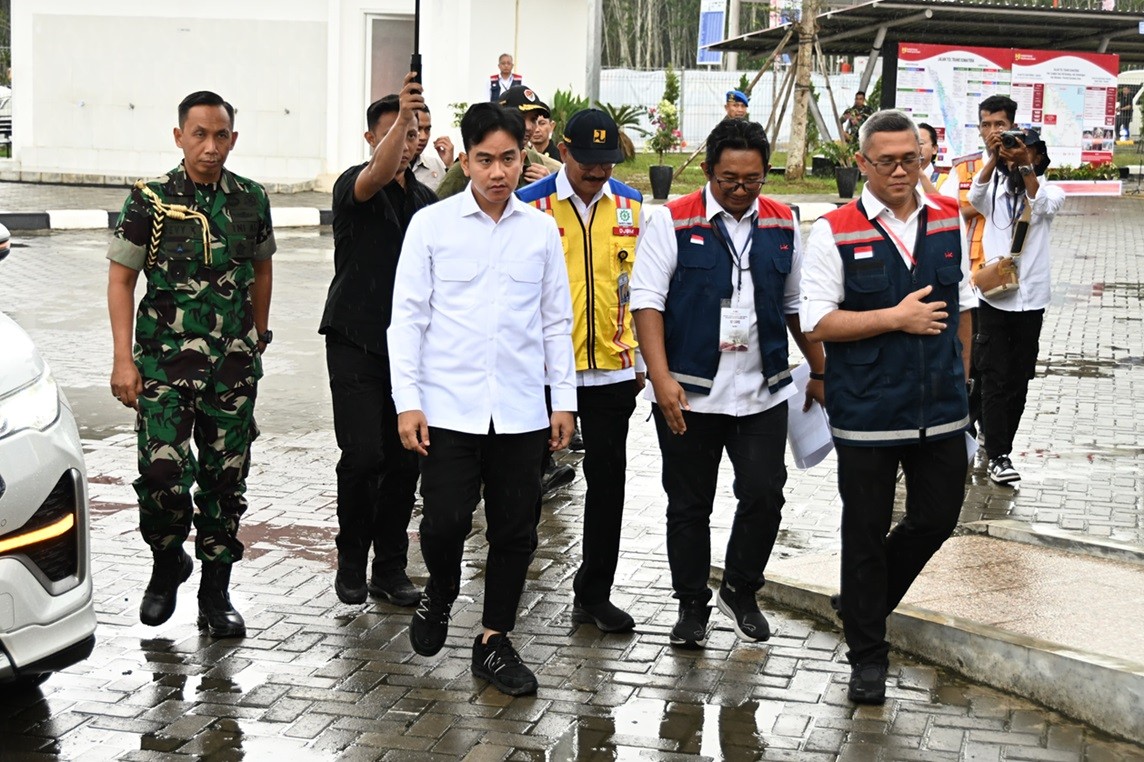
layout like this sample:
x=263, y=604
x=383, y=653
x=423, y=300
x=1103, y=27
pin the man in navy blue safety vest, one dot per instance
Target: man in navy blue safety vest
x=884, y=286
x=714, y=296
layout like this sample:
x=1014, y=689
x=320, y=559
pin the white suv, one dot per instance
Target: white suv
x=47, y=620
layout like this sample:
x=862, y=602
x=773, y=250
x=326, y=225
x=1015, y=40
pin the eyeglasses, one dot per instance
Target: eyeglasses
x=731, y=186
x=887, y=167
x=602, y=166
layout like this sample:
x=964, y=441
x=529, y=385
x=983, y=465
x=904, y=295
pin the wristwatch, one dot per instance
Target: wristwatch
x=266, y=337
x=1026, y=170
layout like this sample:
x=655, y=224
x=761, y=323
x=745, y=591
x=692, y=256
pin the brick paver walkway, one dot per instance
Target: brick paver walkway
x=317, y=678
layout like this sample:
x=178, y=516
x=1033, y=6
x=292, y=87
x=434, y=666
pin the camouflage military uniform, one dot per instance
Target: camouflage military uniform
x=196, y=350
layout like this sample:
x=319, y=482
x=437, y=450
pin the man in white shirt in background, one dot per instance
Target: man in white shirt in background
x=714, y=293
x=504, y=80
x=432, y=161
x=931, y=179
x=482, y=320
x=1009, y=324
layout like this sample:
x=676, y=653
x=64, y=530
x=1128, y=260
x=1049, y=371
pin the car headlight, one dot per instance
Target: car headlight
x=35, y=406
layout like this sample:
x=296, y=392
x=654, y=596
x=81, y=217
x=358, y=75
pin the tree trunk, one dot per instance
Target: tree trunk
x=796, y=151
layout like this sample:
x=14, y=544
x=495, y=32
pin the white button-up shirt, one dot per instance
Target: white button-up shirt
x=428, y=168
x=823, y=286
x=594, y=376
x=739, y=387
x=1033, y=267
x=482, y=318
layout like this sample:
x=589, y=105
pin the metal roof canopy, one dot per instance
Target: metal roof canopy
x=853, y=30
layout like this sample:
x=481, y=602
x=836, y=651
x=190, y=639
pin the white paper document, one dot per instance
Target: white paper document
x=809, y=432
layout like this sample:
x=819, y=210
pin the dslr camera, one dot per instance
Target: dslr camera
x=1014, y=138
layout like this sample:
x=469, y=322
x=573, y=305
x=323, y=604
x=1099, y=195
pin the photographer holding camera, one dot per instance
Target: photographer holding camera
x=1018, y=209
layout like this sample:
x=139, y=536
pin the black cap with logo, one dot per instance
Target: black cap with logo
x=592, y=137
x=524, y=100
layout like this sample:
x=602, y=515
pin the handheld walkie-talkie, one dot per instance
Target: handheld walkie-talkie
x=415, y=59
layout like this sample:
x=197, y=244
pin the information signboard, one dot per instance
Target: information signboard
x=1070, y=97
x=712, y=22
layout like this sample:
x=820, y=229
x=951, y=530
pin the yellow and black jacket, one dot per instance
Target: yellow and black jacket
x=599, y=256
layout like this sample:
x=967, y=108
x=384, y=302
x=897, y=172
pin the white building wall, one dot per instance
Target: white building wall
x=100, y=83
x=97, y=83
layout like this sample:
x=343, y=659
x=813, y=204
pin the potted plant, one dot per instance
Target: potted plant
x=841, y=154
x=665, y=136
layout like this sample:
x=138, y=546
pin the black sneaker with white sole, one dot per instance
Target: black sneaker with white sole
x=430, y=625
x=1001, y=470
x=690, y=630
x=499, y=663
x=741, y=606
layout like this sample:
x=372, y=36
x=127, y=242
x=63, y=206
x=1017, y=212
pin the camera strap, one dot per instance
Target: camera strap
x=1020, y=230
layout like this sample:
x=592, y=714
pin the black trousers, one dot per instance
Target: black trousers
x=975, y=377
x=604, y=415
x=377, y=477
x=756, y=445
x=451, y=478
x=878, y=568
x=1005, y=347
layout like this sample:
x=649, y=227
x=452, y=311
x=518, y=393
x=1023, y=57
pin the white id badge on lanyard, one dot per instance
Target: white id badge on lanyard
x=734, y=327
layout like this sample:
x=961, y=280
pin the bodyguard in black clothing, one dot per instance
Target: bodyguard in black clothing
x=377, y=478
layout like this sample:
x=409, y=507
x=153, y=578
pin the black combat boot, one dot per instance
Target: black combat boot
x=216, y=615
x=169, y=569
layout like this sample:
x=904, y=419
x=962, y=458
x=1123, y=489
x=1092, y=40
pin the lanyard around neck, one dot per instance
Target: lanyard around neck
x=1015, y=202
x=898, y=242
x=900, y=245
x=721, y=235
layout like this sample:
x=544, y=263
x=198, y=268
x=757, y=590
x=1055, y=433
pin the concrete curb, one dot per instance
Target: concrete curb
x=101, y=219
x=1104, y=692
x=1059, y=539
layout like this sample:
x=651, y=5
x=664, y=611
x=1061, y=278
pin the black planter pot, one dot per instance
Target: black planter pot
x=847, y=179
x=820, y=166
x=660, y=176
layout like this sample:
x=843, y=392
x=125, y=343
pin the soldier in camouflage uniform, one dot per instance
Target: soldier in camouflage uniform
x=202, y=237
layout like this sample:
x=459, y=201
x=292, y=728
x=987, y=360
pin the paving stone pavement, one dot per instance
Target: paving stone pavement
x=319, y=679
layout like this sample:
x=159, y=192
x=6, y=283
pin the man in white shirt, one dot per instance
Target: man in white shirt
x=885, y=287
x=931, y=179
x=714, y=293
x=1009, y=324
x=481, y=322
x=432, y=161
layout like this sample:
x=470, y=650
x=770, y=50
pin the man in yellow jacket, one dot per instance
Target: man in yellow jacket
x=598, y=219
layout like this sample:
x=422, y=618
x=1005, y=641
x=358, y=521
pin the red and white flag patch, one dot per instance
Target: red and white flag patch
x=863, y=252
x=697, y=239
